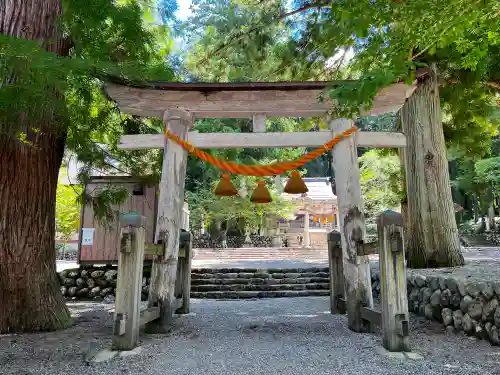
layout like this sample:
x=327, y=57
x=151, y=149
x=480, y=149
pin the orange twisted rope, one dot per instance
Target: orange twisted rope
x=260, y=170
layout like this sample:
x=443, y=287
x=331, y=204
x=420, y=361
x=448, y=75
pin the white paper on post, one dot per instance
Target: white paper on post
x=87, y=236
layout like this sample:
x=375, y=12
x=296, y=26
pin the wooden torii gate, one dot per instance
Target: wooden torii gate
x=180, y=104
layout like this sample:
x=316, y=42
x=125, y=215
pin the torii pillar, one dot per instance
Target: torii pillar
x=168, y=221
x=357, y=280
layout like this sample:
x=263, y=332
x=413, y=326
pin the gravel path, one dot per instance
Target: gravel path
x=268, y=336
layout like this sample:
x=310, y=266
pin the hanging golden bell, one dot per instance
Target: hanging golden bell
x=261, y=194
x=295, y=184
x=225, y=188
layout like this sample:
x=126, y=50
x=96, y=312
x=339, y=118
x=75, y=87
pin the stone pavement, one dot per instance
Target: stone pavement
x=288, y=336
x=480, y=257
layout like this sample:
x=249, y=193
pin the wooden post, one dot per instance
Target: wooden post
x=178, y=280
x=169, y=221
x=129, y=282
x=336, y=272
x=259, y=124
x=393, y=296
x=357, y=280
x=186, y=276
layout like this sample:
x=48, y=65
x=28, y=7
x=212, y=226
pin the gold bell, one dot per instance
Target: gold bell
x=295, y=184
x=225, y=187
x=261, y=194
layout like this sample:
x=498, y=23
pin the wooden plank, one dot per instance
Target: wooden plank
x=149, y=314
x=170, y=203
x=336, y=272
x=372, y=316
x=248, y=114
x=186, y=278
x=158, y=249
x=393, y=294
x=262, y=140
x=369, y=248
x=357, y=281
x=178, y=280
x=245, y=103
x=153, y=249
x=129, y=282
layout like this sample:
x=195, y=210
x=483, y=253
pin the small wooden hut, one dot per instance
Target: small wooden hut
x=97, y=243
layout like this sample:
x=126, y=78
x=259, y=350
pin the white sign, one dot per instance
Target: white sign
x=87, y=236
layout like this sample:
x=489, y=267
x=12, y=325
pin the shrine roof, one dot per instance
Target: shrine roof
x=319, y=190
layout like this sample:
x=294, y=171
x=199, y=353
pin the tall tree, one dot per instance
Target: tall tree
x=29, y=286
x=52, y=55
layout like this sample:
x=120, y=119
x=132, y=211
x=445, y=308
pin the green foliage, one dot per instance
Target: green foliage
x=199, y=172
x=479, y=178
x=380, y=182
x=488, y=173
x=67, y=209
x=241, y=41
x=391, y=41
x=106, y=38
x=237, y=212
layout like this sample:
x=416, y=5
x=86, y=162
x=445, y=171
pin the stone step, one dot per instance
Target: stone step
x=255, y=276
x=263, y=249
x=258, y=281
x=259, y=287
x=312, y=253
x=268, y=271
x=257, y=256
x=253, y=253
x=257, y=294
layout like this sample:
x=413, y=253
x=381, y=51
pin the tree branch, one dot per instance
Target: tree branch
x=280, y=17
x=303, y=8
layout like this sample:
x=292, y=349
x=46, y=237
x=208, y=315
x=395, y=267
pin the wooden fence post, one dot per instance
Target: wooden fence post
x=393, y=296
x=337, y=298
x=129, y=282
x=357, y=280
x=186, y=273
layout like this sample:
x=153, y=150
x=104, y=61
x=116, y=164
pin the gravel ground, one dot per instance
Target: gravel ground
x=268, y=336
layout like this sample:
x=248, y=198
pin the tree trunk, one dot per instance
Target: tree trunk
x=30, y=295
x=434, y=240
x=404, y=203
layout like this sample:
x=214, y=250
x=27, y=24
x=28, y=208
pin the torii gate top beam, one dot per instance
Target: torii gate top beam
x=241, y=100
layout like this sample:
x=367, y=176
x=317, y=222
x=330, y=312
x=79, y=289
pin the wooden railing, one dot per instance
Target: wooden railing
x=394, y=317
x=128, y=314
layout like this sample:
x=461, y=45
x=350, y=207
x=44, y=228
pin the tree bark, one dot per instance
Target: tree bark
x=434, y=239
x=404, y=203
x=30, y=295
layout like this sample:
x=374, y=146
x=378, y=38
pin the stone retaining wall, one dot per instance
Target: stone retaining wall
x=99, y=283
x=469, y=306
x=493, y=238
